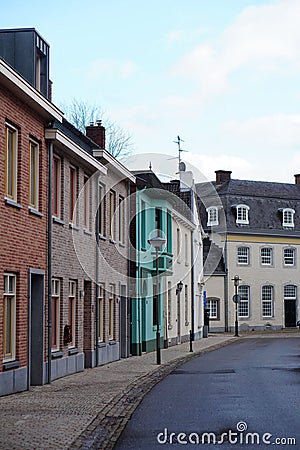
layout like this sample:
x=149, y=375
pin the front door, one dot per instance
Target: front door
x=290, y=313
x=36, y=337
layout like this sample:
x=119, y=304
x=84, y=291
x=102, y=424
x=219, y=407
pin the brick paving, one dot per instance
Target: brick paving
x=89, y=410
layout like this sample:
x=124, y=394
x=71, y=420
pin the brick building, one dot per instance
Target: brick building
x=24, y=113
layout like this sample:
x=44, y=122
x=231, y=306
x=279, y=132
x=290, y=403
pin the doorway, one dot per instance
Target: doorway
x=36, y=327
x=290, y=313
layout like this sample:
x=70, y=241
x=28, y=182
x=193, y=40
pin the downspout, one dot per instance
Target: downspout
x=128, y=296
x=49, y=262
x=192, y=285
x=226, y=284
x=97, y=276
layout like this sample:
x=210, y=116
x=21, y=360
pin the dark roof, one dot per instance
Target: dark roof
x=76, y=135
x=265, y=201
x=147, y=178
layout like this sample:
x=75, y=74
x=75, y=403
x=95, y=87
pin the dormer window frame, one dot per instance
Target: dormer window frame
x=288, y=217
x=242, y=214
x=212, y=216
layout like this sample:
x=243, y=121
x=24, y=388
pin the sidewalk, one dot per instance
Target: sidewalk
x=89, y=410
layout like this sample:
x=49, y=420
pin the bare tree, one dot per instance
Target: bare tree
x=81, y=114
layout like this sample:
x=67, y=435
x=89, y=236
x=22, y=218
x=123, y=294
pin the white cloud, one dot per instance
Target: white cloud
x=278, y=131
x=262, y=38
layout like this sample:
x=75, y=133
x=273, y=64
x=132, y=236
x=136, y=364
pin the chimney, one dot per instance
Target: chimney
x=222, y=176
x=96, y=133
x=297, y=178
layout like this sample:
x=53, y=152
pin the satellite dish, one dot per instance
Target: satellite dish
x=182, y=166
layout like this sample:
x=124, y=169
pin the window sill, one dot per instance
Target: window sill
x=88, y=232
x=112, y=241
x=11, y=365
x=73, y=226
x=103, y=238
x=121, y=245
x=56, y=354
x=10, y=202
x=35, y=212
x=112, y=342
x=101, y=344
x=58, y=221
x=73, y=351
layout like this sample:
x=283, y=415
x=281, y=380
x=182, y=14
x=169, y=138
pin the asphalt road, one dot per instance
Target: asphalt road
x=246, y=394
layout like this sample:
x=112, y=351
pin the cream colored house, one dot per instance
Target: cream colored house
x=259, y=229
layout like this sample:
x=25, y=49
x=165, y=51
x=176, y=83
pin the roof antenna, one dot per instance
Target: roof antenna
x=180, y=150
x=150, y=166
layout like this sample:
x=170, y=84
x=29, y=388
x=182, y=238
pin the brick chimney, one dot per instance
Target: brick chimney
x=96, y=133
x=297, y=178
x=222, y=176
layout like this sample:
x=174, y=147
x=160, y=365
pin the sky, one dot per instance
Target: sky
x=221, y=74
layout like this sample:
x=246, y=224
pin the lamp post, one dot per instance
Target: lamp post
x=236, y=298
x=157, y=242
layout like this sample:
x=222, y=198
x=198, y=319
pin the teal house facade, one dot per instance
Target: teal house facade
x=153, y=218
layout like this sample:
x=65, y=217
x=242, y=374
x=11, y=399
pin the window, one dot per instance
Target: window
x=169, y=232
x=121, y=220
x=267, y=301
x=72, y=311
x=213, y=306
x=86, y=199
x=266, y=256
x=102, y=210
x=112, y=208
x=158, y=221
x=242, y=214
x=169, y=302
x=143, y=226
x=55, y=306
x=111, y=311
x=178, y=242
x=289, y=256
x=73, y=194
x=100, y=313
x=212, y=216
x=56, y=186
x=186, y=250
x=33, y=174
x=243, y=254
x=186, y=305
x=288, y=217
x=243, y=306
x=9, y=318
x=290, y=292
x=11, y=162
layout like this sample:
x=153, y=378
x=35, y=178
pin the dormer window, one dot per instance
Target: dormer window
x=242, y=214
x=212, y=216
x=288, y=217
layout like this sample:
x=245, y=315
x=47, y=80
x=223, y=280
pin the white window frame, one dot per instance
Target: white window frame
x=56, y=180
x=242, y=214
x=73, y=194
x=102, y=209
x=101, y=300
x=11, y=172
x=243, y=259
x=112, y=211
x=212, y=216
x=121, y=220
x=244, y=304
x=86, y=202
x=10, y=292
x=55, y=320
x=291, y=258
x=288, y=217
x=267, y=299
x=34, y=177
x=286, y=295
x=266, y=256
x=72, y=312
x=213, y=307
x=111, y=311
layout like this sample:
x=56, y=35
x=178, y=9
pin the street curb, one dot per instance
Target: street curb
x=105, y=429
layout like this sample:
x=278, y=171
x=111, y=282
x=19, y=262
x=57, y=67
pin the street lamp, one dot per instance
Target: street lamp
x=157, y=242
x=236, y=298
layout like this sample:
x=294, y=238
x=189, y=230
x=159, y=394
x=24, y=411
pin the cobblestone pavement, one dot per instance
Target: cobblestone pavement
x=90, y=409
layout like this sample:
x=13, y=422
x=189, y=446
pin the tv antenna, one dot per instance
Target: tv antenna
x=180, y=150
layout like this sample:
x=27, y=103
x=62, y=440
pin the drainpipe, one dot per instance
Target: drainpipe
x=49, y=263
x=192, y=285
x=128, y=296
x=226, y=284
x=97, y=277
